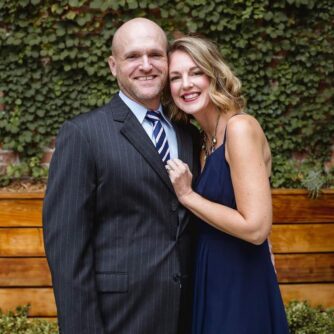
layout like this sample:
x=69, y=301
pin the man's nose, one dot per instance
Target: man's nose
x=146, y=63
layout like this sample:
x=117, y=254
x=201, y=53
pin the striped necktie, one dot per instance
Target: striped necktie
x=161, y=142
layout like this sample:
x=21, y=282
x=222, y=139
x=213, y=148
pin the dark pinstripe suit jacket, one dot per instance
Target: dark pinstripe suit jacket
x=117, y=241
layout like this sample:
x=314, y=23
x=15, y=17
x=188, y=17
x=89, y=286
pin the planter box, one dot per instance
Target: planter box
x=303, y=243
x=302, y=239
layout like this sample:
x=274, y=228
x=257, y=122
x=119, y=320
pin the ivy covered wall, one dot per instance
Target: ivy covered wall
x=53, y=65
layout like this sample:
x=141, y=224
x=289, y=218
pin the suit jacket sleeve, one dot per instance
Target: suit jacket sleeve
x=68, y=221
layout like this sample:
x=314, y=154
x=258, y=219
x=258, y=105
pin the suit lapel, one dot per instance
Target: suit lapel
x=133, y=131
x=185, y=150
x=185, y=146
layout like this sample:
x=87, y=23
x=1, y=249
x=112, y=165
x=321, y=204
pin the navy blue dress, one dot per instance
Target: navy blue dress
x=236, y=289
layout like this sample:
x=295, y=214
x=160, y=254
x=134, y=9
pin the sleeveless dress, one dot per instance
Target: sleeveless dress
x=235, y=288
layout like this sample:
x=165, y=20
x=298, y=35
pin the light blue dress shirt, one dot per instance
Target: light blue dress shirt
x=140, y=112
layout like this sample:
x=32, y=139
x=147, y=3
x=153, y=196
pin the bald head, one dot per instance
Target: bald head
x=136, y=27
x=139, y=61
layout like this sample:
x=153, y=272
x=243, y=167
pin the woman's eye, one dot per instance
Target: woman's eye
x=173, y=79
x=198, y=73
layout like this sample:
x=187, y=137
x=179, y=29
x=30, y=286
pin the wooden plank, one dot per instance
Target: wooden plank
x=275, y=192
x=43, y=304
x=315, y=294
x=289, y=206
x=16, y=272
x=20, y=212
x=41, y=300
x=296, y=207
x=302, y=238
x=299, y=191
x=294, y=238
x=21, y=195
x=302, y=268
x=21, y=242
x=291, y=268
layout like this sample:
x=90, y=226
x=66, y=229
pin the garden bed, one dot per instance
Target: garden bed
x=302, y=239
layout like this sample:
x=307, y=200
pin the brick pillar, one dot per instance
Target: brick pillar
x=47, y=153
x=2, y=107
x=330, y=164
x=7, y=157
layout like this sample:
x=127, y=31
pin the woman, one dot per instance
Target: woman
x=236, y=290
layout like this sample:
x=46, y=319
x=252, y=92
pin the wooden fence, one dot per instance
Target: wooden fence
x=302, y=239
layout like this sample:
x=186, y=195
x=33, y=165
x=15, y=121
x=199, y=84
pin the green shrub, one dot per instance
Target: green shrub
x=18, y=323
x=304, y=319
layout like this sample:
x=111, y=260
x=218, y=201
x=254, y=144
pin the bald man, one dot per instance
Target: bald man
x=117, y=241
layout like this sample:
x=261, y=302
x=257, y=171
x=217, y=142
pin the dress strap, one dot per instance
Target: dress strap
x=225, y=132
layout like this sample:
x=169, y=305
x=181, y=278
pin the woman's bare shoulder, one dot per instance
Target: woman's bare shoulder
x=244, y=126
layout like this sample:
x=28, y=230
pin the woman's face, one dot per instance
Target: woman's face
x=189, y=85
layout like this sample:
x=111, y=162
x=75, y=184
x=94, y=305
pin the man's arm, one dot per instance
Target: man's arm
x=68, y=220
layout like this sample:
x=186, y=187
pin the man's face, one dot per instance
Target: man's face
x=139, y=62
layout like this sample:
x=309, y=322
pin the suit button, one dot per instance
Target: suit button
x=174, y=205
x=177, y=279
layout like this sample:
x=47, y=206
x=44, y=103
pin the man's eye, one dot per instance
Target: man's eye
x=132, y=56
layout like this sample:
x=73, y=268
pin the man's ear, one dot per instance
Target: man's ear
x=112, y=65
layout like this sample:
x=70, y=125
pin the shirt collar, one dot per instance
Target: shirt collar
x=139, y=110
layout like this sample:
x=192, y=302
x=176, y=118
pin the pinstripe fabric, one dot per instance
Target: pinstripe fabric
x=116, y=239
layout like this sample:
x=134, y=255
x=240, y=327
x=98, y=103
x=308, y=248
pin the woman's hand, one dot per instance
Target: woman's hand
x=181, y=178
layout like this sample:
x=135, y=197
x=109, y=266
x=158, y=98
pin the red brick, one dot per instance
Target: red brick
x=330, y=164
x=47, y=155
x=7, y=157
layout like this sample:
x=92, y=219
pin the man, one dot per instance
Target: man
x=117, y=241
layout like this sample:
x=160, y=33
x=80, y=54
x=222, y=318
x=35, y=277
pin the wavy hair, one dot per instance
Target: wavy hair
x=225, y=87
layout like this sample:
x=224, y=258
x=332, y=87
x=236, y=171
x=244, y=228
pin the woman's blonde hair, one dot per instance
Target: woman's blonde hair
x=225, y=87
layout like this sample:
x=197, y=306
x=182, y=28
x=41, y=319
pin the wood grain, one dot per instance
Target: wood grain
x=302, y=268
x=41, y=300
x=295, y=206
x=293, y=238
x=21, y=242
x=291, y=268
x=20, y=212
x=289, y=206
x=303, y=238
x=18, y=272
x=43, y=304
x=21, y=195
x=315, y=294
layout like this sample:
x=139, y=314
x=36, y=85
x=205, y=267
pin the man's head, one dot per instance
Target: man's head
x=139, y=61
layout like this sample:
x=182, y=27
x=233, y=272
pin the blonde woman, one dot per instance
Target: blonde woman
x=235, y=288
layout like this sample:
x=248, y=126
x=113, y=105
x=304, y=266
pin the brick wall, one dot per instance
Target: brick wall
x=48, y=152
x=7, y=157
